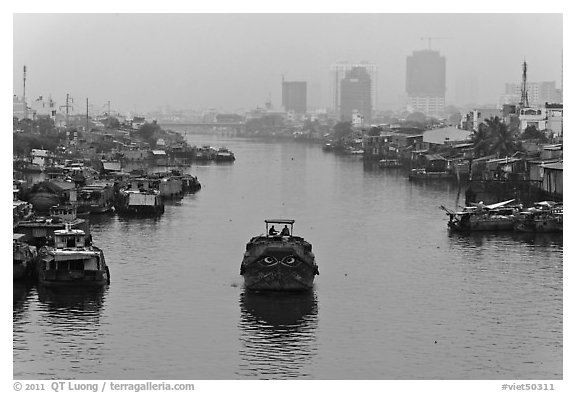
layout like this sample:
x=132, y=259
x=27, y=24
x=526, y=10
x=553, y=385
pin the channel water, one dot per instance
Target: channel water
x=398, y=297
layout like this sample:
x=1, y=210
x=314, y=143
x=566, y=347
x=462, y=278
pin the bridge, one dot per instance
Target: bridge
x=190, y=124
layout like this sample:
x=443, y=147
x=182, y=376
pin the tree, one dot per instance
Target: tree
x=147, y=131
x=343, y=130
x=531, y=132
x=502, y=140
x=416, y=117
x=455, y=118
x=113, y=123
x=374, y=131
x=494, y=137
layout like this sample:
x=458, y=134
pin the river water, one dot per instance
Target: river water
x=397, y=297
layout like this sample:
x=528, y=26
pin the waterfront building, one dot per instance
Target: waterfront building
x=356, y=96
x=555, y=119
x=426, y=83
x=294, y=96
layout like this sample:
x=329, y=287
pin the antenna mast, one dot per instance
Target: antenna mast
x=524, y=98
x=67, y=106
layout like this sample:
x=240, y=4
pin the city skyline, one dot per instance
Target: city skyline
x=143, y=62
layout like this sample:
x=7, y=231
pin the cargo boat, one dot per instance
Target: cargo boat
x=70, y=260
x=278, y=261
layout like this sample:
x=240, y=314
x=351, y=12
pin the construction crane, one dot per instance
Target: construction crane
x=430, y=40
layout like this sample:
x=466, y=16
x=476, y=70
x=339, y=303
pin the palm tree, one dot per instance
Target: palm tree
x=494, y=137
x=481, y=141
x=502, y=141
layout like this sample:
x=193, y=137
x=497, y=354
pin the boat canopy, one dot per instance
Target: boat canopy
x=279, y=221
x=18, y=236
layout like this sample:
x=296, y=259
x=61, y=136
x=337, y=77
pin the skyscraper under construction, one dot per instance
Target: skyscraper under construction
x=426, y=82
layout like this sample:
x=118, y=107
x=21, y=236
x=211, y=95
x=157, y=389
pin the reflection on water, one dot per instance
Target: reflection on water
x=21, y=297
x=277, y=334
x=72, y=302
x=68, y=326
x=476, y=239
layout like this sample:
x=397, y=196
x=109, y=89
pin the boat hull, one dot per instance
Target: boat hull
x=21, y=270
x=139, y=204
x=73, y=279
x=491, y=224
x=539, y=226
x=59, y=268
x=278, y=264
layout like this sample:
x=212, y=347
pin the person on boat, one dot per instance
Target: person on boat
x=272, y=231
x=285, y=231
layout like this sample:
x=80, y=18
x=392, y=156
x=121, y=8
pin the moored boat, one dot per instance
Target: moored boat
x=543, y=217
x=38, y=229
x=95, y=198
x=278, y=261
x=423, y=174
x=70, y=260
x=24, y=257
x=389, y=163
x=224, y=155
x=139, y=202
x=205, y=153
x=479, y=217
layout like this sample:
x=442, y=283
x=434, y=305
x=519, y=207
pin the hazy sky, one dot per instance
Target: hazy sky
x=142, y=62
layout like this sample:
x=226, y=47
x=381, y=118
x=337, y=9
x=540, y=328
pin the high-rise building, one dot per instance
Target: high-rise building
x=294, y=96
x=356, y=94
x=339, y=71
x=426, y=82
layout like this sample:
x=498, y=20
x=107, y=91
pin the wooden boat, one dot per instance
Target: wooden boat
x=189, y=183
x=205, y=153
x=95, y=198
x=423, y=174
x=139, y=202
x=24, y=257
x=543, y=217
x=70, y=260
x=389, y=163
x=328, y=147
x=168, y=185
x=39, y=229
x=278, y=261
x=479, y=217
x=224, y=155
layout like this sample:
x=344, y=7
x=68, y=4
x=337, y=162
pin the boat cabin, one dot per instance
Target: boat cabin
x=69, y=238
x=271, y=230
x=63, y=212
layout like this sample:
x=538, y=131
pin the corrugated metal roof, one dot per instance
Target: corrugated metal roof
x=435, y=157
x=555, y=166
